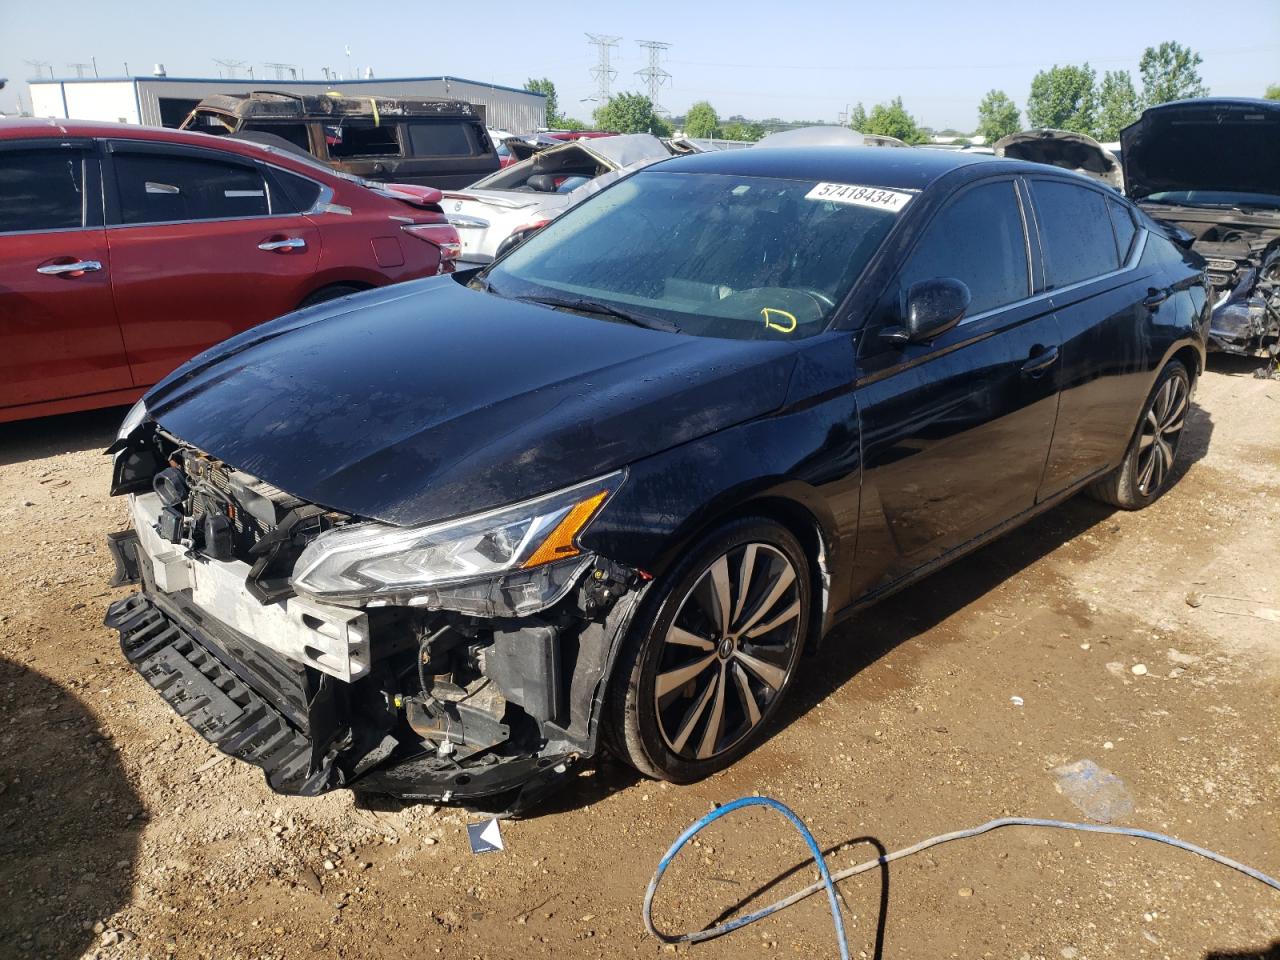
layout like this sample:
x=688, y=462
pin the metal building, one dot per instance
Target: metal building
x=166, y=101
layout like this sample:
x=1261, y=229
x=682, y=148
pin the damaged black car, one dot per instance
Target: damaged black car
x=446, y=540
x=1209, y=166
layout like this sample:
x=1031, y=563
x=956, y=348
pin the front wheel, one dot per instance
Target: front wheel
x=1147, y=468
x=711, y=653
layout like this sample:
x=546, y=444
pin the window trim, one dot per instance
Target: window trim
x=113, y=221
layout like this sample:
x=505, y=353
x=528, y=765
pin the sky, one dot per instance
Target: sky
x=798, y=60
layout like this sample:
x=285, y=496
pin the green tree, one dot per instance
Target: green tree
x=701, y=120
x=743, y=130
x=548, y=90
x=1273, y=92
x=1118, y=105
x=631, y=113
x=858, y=118
x=892, y=120
x=1063, y=98
x=1169, y=73
x=997, y=116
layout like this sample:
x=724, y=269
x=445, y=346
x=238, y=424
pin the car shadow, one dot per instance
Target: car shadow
x=71, y=822
x=65, y=433
x=1261, y=953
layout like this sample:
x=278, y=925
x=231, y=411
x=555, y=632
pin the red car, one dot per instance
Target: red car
x=126, y=250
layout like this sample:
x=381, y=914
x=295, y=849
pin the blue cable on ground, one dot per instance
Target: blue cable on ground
x=829, y=879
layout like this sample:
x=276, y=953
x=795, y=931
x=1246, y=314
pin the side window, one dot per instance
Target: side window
x=41, y=190
x=295, y=133
x=291, y=193
x=156, y=188
x=442, y=138
x=978, y=239
x=362, y=140
x=1075, y=232
x=1126, y=231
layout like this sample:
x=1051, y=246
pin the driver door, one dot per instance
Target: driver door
x=956, y=430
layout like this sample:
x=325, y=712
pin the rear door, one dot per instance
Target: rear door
x=956, y=431
x=203, y=246
x=1105, y=302
x=58, y=326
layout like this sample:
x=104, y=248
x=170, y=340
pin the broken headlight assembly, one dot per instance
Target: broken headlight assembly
x=512, y=561
x=132, y=420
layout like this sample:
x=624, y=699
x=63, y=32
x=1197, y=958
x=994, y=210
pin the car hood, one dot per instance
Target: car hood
x=428, y=400
x=1062, y=148
x=1209, y=144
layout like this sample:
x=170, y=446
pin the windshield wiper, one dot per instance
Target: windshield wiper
x=603, y=309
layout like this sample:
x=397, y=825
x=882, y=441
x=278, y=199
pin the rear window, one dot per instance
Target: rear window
x=1075, y=232
x=155, y=188
x=443, y=138
x=41, y=190
x=361, y=140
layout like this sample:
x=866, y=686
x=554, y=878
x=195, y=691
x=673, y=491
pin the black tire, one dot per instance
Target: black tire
x=325, y=294
x=1147, y=468
x=711, y=715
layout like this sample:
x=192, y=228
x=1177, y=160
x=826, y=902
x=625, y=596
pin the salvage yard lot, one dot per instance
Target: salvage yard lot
x=122, y=832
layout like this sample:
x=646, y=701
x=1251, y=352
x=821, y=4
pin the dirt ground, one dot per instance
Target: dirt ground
x=1148, y=643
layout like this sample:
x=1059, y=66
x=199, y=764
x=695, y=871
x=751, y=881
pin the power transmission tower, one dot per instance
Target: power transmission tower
x=653, y=74
x=280, y=68
x=603, y=72
x=79, y=68
x=231, y=66
x=38, y=66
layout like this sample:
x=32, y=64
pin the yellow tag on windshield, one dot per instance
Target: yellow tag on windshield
x=779, y=320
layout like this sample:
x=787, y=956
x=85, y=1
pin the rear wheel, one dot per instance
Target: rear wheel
x=712, y=653
x=1147, y=468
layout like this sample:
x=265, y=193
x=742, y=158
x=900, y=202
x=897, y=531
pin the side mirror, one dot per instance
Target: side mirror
x=933, y=307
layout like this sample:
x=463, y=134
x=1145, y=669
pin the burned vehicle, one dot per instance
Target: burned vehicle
x=1063, y=148
x=420, y=140
x=448, y=539
x=495, y=214
x=1210, y=167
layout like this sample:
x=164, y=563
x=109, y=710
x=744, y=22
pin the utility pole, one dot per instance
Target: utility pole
x=603, y=72
x=653, y=74
x=231, y=66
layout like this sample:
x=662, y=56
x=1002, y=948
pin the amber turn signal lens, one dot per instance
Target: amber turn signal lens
x=559, y=544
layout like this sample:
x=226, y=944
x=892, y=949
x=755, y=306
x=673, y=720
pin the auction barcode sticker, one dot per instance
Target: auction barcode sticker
x=874, y=197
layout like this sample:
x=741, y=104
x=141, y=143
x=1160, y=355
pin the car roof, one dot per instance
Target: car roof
x=913, y=168
x=52, y=129
x=270, y=104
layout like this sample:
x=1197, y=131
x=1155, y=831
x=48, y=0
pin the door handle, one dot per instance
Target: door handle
x=1155, y=297
x=284, y=243
x=1040, y=362
x=77, y=268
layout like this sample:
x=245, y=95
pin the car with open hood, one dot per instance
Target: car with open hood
x=1210, y=167
x=449, y=539
x=496, y=213
x=1066, y=149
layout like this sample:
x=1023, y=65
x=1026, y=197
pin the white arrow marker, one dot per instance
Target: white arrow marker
x=492, y=835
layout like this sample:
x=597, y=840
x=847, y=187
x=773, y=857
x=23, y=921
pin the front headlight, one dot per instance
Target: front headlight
x=513, y=560
x=137, y=413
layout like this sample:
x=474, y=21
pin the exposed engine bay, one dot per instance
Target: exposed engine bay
x=1242, y=254
x=414, y=701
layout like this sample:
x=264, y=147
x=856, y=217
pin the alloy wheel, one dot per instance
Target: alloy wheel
x=1161, y=431
x=728, y=652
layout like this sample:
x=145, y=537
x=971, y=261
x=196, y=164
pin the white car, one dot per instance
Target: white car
x=502, y=209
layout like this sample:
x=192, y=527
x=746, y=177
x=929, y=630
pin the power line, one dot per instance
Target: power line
x=655, y=76
x=603, y=72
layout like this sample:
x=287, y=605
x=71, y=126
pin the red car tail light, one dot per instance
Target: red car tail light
x=443, y=236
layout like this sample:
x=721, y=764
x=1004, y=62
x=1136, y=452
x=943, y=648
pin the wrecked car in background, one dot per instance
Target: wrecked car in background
x=1062, y=148
x=827, y=136
x=421, y=140
x=500, y=211
x=1212, y=167
x=447, y=539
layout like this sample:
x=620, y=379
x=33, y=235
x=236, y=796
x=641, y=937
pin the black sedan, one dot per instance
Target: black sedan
x=445, y=539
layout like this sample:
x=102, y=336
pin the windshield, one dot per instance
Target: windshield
x=1215, y=198
x=716, y=255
